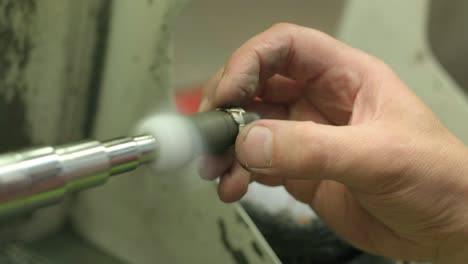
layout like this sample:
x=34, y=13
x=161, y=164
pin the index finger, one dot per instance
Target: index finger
x=293, y=51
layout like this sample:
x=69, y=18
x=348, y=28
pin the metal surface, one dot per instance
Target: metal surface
x=44, y=176
x=70, y=66
x=156, y=217
x=447, y=37
x=237, y=114
x=409, y=53
x=47, y=53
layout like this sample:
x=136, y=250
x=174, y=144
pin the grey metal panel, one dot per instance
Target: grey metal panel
x=447, y=25
x=395, y=31
x=142, y=217
x=46, y=53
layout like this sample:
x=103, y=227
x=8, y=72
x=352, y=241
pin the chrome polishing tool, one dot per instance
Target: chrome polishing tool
x=42, y=176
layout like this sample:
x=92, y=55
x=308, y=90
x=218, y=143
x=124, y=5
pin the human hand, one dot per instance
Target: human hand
x=345, y=135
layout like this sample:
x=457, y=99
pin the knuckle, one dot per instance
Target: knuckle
x=283, y=26
x=373, y=64
x=247, y=84
x=342, y=85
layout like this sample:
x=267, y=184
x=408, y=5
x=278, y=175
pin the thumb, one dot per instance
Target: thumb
x=303, y=150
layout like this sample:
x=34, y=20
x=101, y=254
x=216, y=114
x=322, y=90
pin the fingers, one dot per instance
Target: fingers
x=291, y=69
x=268, y=111
x=234, y=180
x=234, y=184
x=298, y=53
x=208, y=88
x=302, y=190
x=211, y=167
x=301, y=150
x=280, y=89
x=267, y=180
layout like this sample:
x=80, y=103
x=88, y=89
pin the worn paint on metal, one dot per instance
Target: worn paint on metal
x=129, y=70
x=45, y=58
x=15, y=48
x=447, y=37
x=154, y=217
x=237, y=254
x=102, y=16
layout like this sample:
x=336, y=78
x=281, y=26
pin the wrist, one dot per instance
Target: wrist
x=453, y=251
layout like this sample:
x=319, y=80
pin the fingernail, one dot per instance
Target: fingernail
x=202, y=168
x=211, y=167
x=258, y=147
x=204, y=104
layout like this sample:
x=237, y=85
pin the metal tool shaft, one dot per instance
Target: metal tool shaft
x=43, y=176
x=38, y=177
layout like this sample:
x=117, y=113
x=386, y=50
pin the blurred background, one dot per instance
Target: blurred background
x=215, y=29
x=91, y=69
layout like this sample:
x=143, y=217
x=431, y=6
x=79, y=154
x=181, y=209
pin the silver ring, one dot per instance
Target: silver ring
x=237, y=115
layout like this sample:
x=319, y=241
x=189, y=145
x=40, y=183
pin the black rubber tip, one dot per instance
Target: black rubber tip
x=249, y=117
x=218, y=129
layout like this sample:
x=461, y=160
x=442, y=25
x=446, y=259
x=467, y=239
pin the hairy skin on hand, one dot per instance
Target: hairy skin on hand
x=344, y=134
